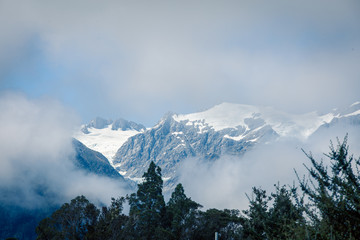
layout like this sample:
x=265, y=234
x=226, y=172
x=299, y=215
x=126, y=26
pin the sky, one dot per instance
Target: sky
x=140, y=59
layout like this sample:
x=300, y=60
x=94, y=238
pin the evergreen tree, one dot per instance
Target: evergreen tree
x=335, y=193
x=226, y=222
x=147, y=206
x=281, y=220
x=256, y=221
x=74, y=220
x=182, y=213
x=286, y=219
x=112, y=221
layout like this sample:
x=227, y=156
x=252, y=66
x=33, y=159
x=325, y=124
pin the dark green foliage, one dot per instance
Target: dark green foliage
x=255, y=225
x=283, y=220
x=225, y=222
x=335, y=194
x=147, y=206
x=182, y=212
x=286, y=218
x=76, y=220
x=112, y=221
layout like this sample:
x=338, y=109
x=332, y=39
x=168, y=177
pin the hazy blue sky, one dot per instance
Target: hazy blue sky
x=140, y=59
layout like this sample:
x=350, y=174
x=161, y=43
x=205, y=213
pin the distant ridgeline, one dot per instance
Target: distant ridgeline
x=119, y=124
x=224, y=130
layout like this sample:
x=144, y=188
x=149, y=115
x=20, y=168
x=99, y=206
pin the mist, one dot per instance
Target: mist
x=36, y=165
x=224, y=183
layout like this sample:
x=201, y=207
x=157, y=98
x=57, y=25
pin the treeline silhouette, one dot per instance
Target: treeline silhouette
x=326, y=206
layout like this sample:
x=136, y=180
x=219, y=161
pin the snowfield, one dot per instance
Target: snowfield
x=106, y=140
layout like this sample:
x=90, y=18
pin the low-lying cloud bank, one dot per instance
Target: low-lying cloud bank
x=36, y=152
x=225, y=182
x=36, y=166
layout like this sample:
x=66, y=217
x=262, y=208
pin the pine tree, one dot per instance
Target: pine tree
x=281, y=220
x=226, y=222
x=147, y=206
x=112, y=221
x=335, y=193
x=182, y=213
x=256, y=221
x=286, y=220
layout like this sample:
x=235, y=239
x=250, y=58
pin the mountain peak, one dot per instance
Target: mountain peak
x=122, y=124
x=221, y=116
x=99, y=123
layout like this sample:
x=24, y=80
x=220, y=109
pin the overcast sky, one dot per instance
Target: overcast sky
x=140, y=59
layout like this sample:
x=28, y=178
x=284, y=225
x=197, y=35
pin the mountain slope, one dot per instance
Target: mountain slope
x=93, y=162
x=171, y=141
x=225, y=129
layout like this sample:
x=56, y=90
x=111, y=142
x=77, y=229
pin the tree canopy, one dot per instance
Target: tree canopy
x=334, y=192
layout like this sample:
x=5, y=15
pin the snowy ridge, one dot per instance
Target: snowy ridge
x=228, y=115
x=353, y=114
x=221, y=116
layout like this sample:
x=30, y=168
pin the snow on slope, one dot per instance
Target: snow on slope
x=106, y=140
x=228, y=115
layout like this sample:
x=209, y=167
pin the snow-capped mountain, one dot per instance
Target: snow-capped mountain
x=225, y=129
x=107, y=136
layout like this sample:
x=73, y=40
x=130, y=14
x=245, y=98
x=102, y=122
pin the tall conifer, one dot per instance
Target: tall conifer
x=147, y=206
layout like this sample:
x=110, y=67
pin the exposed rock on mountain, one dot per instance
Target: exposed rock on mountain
x=225, y=129
x=122, y=124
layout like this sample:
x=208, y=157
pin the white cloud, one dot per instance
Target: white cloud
x=35, y=146
x=224, y=182
x=146, y=58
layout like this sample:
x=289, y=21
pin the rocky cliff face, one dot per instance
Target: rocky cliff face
x=172, y=141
